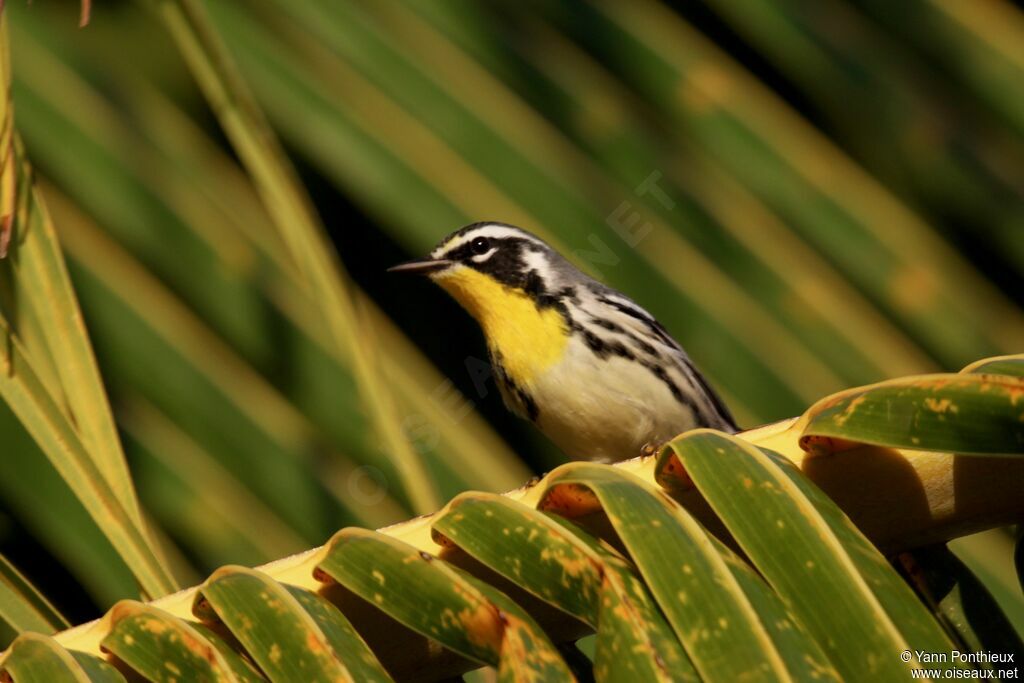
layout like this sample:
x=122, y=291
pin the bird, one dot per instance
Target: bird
x=593, y=370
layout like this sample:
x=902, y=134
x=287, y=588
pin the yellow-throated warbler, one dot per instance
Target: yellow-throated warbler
x=592, y=369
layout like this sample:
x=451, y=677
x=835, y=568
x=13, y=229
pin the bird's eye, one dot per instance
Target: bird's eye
x=481, y=245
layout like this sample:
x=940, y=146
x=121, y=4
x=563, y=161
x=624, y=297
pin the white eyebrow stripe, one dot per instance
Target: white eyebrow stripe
x=493, y=231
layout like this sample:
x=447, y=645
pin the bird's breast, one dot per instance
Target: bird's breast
x=526, y=337
x=606, y=409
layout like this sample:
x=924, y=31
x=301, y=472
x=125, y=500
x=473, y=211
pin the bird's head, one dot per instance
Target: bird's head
x=483, y=264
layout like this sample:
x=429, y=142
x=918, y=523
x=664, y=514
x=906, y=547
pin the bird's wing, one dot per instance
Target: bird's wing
x=622, y=312
x=609, y=313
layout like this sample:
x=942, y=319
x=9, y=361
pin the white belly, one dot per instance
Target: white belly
x=605, y=409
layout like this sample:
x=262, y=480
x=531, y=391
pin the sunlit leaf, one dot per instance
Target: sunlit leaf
x=679, y=560
x=969, y=414
x=833, y=579
x=35, y=658
x=442, y=603
x=163, y=648
x=271, y=624
x=569, y=569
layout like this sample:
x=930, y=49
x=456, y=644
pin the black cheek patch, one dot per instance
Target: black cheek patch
x=505, y=265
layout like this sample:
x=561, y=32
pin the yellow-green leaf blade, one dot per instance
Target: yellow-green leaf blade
x=42, y=418
x=35, y=658
x=536, y=552
x=34, y=491
x=789, y=634
x=526, y=654
x=98, y=670
x=39, y=266
x=440, y=602
x=964, y=414
x=692, y=582
x=243, y=669
x=564, y=566
x=195, y=497
x=272, y=626
x=146, y=320
x=862, y=614
x=347, y=643
x=161, y=647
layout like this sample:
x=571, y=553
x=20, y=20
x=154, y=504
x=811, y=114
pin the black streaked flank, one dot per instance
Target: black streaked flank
x=532, y=411
x=535, y=287
x=716, y=400
x=661, y=373
x=568, y=294
x=602, y=348
x=619, y=329
x=644, y=346
x=608, y=325
x=522, y=398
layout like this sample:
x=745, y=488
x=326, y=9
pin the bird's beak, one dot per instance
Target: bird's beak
x=421, y=267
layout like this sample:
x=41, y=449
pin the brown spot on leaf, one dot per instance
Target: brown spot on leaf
x=203, y=609
x=441, y=539
x=570, y=500
x=815, y=445
x=323, y=577
x=673, y=475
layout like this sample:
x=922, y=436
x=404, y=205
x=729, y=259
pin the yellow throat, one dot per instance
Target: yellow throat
x=529, y=339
